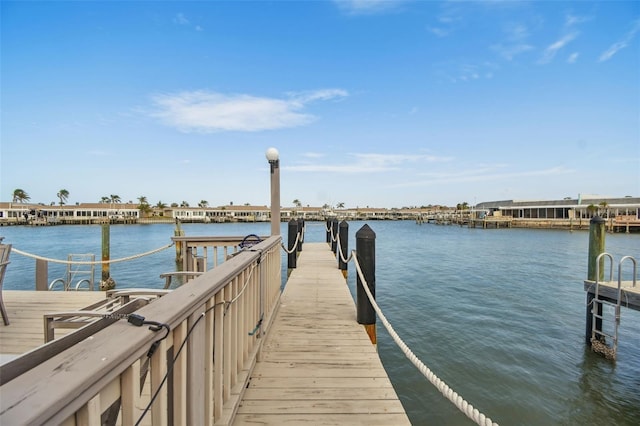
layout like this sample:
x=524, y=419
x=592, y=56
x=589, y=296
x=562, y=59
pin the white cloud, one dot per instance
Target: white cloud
x=208, y=112
x=574, y=20
x=369, y=163
x=180, y=19
x=456, y=72
x=515, y=42
x=367, y=7
x=573, y=58
x=482, y=174
x=552, y=49
x=619, y=45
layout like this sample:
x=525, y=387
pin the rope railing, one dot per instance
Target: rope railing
x=87, y=262
x=444, y=389
x=295, y=245
x=339, y=250
x=299, y=239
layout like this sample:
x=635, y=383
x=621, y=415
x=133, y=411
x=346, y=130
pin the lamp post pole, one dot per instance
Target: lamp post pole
x=274, y=161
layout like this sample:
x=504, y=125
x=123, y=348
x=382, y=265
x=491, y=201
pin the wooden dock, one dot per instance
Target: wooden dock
x=26, y=310
x=630, y=297
x=317, y=364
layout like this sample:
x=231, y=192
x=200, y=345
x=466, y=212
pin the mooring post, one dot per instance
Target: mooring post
x=334, y=235
x=178, y=232
x=292, y=252
x=301, y=232
x=597, y=233
x=366, y=252
x=42, y=275
x=328, y=225
x=107, y=283
x=343, y=232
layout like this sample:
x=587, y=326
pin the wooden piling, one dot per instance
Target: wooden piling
x=106, y=283
x=178, y=232
x=42, y=275
x=301, y=232
x=343, y=248
x=597, y=234
x=334, y=235
x=366, y=252
x=292, y=253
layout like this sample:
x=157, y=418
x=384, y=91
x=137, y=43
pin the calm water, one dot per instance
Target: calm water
x=497, y=314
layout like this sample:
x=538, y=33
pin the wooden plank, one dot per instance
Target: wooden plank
x=321, y=420
x=318, y=365
x=26, y=309
x=609, y=290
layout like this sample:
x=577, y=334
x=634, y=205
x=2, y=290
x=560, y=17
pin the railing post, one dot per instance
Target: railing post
x=334, y=235
x=301, y=232
x=366, y=252
x=42, y=275
x=343, y=232
x=291, y=240
x=596, y=247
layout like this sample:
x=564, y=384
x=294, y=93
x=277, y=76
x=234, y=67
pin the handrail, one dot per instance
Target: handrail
x=214, y=317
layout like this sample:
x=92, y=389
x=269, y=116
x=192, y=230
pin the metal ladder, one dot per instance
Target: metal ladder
x=85, y=270
x=599, y=336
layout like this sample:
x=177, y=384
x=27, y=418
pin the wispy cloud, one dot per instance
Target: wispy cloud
x=551, y=51
x=573, y=58
x=515, y=43
x=481, y=174
x=368, y=7
x=621, y=44
x=208, y=112
x=369, y=163
x=466, y=72
x=181, y=19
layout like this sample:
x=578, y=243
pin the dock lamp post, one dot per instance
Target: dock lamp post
x=274, y=162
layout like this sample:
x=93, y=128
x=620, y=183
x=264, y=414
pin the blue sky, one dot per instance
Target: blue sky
x=370, y=103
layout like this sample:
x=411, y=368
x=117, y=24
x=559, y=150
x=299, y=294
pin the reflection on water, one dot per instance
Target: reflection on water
x=497, y=314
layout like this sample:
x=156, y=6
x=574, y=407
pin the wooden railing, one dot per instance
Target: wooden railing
x=204, y=253
x=197, y=373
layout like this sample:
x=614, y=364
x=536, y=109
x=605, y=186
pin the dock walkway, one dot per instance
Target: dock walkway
x=317, y=364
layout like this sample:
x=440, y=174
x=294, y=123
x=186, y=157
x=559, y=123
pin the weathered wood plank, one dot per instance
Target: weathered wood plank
x=26, y=310
x=318, y=365
x=321, y=419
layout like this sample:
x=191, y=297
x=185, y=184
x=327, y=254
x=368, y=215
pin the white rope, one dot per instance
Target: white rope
x=295, y=245
x=88, y=262
x=339, y=250
x=444, y=389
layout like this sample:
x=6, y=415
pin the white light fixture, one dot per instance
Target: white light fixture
x=272, y=155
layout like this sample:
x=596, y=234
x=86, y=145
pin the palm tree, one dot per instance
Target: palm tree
x=297, y=203
x=203, y=203
x=340, y=205
x=161, y=205
x=115, y=199
x=184, y=204
x=63, y=195
x=19, y=196
x=105, y=200
x=604, y=205
x=142, y=200
x=144, y=209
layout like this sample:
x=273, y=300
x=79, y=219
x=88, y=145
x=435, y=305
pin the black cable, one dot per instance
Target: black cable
x=159, y=326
